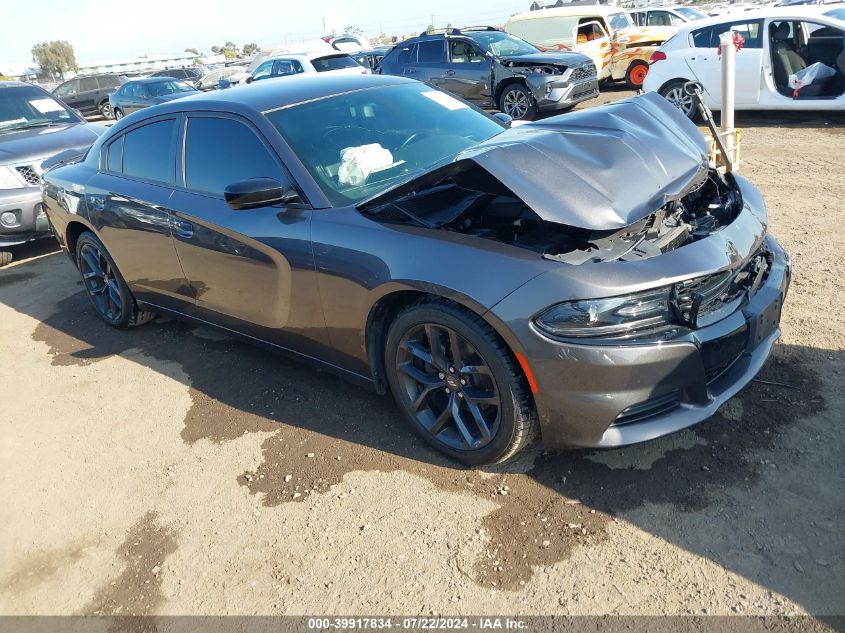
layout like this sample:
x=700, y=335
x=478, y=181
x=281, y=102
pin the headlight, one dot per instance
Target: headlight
x=614, y=316
x=9, y=179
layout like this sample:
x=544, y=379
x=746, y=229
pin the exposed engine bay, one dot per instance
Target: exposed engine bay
x=473, y=202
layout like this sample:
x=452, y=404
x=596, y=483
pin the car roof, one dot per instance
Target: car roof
x=17, y=84
x=591, y=9
x=269, y=95
x=310, y=56
x=151, y=80
x=780, y=13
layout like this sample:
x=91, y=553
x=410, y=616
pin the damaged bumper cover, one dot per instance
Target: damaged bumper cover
x=608, y=393
x=564, y=91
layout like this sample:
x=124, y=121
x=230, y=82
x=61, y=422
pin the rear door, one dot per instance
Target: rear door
x=468, y=73
x=69, y=92
x=129, y=204
x=430, y=65
x=89, y=91
x=251, y=270
x=706, y=63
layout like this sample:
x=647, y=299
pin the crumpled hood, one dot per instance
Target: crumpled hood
x=599, y=169
x=25, y=145
x=557, y=59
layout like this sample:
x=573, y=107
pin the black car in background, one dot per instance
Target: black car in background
x=34, y=127
x=189, y=74
x=493, y=69
x=90, y=94
x=142, y=93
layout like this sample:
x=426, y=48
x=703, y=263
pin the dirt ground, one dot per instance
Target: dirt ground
x=171, y=470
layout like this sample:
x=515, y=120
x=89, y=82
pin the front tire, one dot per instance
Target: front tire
x=118, y=114
x=674, y=93
x=108, y=292
x=457, y=384
x=635, y=75
x=516, y=101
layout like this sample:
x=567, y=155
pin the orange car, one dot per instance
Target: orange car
x=606, y=34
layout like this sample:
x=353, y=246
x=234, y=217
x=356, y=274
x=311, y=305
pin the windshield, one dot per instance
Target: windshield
x=161, y=88
x=501, y=44
x=691, y=13
x=548, y=33
x=358, y=144
x=618, y=21
x=27, y=106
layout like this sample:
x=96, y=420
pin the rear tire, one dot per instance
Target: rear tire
x=105, y=110
x=674, y=93
x=118, y=114
x=474, y=405
x=104, y=285
x=5, y=258
x=635, y=75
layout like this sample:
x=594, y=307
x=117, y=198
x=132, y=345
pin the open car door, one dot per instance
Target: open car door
x=590, y=38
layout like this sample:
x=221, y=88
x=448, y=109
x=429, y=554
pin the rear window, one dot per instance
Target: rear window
x=146, y=152
x=336, y=62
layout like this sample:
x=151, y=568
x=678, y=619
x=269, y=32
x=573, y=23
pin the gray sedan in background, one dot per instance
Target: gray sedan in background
x=143, y=93
x=586, y=277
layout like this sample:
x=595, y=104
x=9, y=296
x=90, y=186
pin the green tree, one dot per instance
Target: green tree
x=216, y=50
x=192, y=50
x=54, y=58
x=430, y=29
x=250, y=49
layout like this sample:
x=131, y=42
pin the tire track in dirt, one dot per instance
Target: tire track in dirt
x=322, y=428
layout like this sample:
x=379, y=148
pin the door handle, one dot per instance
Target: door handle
x=410, y=71
x=450, y=73
x=183, y=229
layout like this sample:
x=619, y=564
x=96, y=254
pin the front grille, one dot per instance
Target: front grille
x=30, y=174
x=704, y=300
x=584, y=72
x=720, y=354
x=648, y=409
x=585, y=92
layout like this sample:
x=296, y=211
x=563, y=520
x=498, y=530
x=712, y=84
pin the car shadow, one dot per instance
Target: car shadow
x=715, y=491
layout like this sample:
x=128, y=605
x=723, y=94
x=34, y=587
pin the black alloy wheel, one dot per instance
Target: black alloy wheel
x=457, y=383
x=449, y=387
x=104, y=285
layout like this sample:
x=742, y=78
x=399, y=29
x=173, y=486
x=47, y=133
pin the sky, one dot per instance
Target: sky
x=103, y=30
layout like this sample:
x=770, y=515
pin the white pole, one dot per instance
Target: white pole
x=728, y=81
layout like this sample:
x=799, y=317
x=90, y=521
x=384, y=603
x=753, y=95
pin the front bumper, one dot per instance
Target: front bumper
x=30, y=220
x=614, y=395
x=554, y=93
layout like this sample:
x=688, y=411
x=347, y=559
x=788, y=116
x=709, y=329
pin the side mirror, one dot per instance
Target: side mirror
x=257, y=192
x=249, y=79
x=506, y=119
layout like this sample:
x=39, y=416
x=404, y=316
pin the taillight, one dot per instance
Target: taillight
x=656, y=56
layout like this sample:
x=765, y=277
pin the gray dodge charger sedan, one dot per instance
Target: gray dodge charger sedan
x=587, y=277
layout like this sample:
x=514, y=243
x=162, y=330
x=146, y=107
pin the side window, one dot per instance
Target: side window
x=284, y=67
x=64, y=89
x=659, y=18
x=462, y=52
x=146, y=152
x=219, y=152
x=263, y=71
x=431, y=52
x=88, y=83
x=701, y=38
x=114, y=158
x=408, y=55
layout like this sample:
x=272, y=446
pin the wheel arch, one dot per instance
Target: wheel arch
x=73, y=230
x=507, y=82
x=392, y=302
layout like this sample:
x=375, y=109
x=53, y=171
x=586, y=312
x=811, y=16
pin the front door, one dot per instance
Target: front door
x=251, y=270
x=468, y=73
x=591, y=39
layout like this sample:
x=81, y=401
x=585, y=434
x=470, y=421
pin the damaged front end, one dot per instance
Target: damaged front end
x=556, y=82
x=626, y=182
